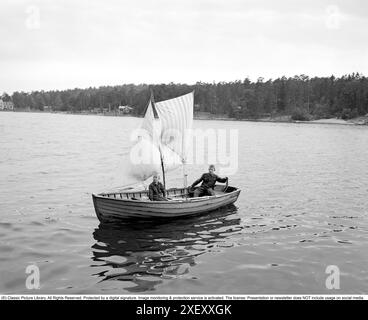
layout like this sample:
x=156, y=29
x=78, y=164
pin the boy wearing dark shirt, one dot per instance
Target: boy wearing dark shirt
x=208, y=183
x=156, y=191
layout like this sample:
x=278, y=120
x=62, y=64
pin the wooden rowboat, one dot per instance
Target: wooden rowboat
x=169, y=116
x=127, y=205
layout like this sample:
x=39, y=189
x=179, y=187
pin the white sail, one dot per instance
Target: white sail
x=146, y=153
x=176, y=117
x=148, y=120
x=145, y=160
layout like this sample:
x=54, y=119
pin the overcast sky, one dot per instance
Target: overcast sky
x=73, y=43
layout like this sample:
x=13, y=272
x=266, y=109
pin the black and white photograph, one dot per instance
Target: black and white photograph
x=178, y=149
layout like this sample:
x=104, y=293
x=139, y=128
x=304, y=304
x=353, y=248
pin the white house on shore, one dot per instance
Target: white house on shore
x=47, y=108
x=125, y=109
x=6, y=105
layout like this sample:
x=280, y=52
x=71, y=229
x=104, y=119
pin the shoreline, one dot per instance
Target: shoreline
x=360, y=121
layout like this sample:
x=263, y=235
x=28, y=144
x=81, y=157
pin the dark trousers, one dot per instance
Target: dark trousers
x=203, y=191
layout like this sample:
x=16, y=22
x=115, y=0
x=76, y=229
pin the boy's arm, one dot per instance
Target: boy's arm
x=197, y=181
x=223, y=180
x=150, y=193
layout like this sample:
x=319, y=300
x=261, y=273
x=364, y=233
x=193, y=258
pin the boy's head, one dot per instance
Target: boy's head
x=211, y=168
x=155, y=178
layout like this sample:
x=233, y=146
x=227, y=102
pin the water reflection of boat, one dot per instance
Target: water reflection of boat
x=147, y=253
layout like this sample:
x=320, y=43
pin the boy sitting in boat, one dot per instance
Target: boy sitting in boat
x=208, y=183
x=156, y=190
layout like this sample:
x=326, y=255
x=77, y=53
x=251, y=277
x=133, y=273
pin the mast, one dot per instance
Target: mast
x=183, y=143
x=185, y=175
x=155, y=114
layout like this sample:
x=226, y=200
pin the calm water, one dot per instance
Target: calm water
x=303, y=206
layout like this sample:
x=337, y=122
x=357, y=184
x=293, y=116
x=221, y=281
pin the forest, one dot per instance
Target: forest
x=301, y=97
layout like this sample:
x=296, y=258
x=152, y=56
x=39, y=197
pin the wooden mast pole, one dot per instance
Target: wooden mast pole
x=155, y=114
x=184, y=143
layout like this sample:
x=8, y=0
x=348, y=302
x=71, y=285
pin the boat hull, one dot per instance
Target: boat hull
x=114, y=206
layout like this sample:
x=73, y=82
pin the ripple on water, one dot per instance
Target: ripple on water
x=6, y=248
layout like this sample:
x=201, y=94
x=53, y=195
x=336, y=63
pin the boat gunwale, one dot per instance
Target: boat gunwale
x=198, y=199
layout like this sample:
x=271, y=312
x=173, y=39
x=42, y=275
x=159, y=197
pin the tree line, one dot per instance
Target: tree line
x=301, y=97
